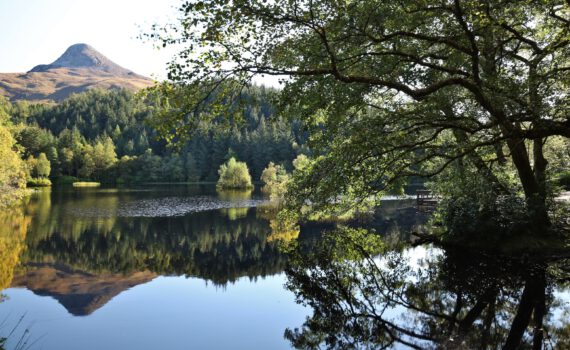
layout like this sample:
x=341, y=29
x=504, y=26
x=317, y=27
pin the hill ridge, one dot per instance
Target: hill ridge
x=78, y=69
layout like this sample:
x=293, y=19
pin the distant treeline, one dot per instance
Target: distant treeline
x=103, y=135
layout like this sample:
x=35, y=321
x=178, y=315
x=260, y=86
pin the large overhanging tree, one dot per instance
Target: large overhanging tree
x=392, y=89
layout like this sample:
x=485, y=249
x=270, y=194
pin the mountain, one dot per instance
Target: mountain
x=80, y=68
x=84, y=56
x=80, y=292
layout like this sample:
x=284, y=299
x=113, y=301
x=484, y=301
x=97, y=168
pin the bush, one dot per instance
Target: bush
x=39, y=182
x=563, y=180
x=502, y=217
x=275, y=179
x=234, y=175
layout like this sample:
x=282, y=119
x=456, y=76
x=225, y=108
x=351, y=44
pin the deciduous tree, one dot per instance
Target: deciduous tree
x=392, y=89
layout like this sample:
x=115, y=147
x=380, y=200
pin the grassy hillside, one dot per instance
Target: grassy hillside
x=56, y=84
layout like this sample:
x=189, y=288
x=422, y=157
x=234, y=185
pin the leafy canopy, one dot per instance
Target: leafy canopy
x=390, y=89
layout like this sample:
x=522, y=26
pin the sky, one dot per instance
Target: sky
x=38, y=31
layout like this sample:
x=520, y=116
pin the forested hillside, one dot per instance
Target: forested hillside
x=104, y=136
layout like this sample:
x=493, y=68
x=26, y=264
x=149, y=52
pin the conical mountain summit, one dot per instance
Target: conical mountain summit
x=83, y=56
x=78, y=69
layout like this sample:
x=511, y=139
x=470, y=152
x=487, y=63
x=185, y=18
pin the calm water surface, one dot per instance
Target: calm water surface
x=186, y=267
x=159, y=267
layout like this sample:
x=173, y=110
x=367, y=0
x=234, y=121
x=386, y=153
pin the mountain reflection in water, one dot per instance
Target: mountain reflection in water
x=83, y=260
x=73, y=246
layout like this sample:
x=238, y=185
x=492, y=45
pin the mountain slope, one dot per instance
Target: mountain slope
x=80, y=68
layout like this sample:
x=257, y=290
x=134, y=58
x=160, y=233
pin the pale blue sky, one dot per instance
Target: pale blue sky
x=38, y=31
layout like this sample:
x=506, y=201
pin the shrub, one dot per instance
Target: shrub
x=275, y=179
x=563, y=180
x=234, y=175
x=39, y=182
x=503, y=216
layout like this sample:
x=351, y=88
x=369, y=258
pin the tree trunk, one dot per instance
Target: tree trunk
x=539, y=311
x=532, y=293
x=532, y=180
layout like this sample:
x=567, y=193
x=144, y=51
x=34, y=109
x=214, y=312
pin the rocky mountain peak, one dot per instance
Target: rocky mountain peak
x=84, y=56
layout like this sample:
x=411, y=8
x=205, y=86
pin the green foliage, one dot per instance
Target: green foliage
x=42, y=166
x=103, y=157
x=499, y=218
x=87, y=134
x=301, y=162
x=192, y=171
x=563, y=179
x=388, y=90
x=34, y=139
x=557, y=151
x=275, y=179
x=12, y=169
x=39, y=182
x=88, y=164
x=234, y=175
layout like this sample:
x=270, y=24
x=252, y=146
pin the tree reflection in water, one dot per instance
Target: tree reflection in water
x=364, y=295
x=12, y=234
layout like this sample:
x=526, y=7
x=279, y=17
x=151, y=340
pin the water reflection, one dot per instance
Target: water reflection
x=364, y=296
x=206, y=245
x=112, y=203
x=65, y=245
x=12, y=234
x=82, y=256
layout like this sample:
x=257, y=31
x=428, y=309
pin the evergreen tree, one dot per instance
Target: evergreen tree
x=87, y=133
x=173, y=169
x=192, y=171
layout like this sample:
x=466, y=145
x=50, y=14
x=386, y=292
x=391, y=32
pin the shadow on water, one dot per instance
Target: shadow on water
x=427, y=298
x=361, y=293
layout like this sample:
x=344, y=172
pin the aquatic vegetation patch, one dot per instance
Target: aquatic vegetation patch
x=86, y=184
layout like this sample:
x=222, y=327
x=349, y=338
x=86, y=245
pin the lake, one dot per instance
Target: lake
x=148, y=268
x=179, y=266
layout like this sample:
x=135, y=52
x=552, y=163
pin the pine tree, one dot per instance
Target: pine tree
x=192, y=171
